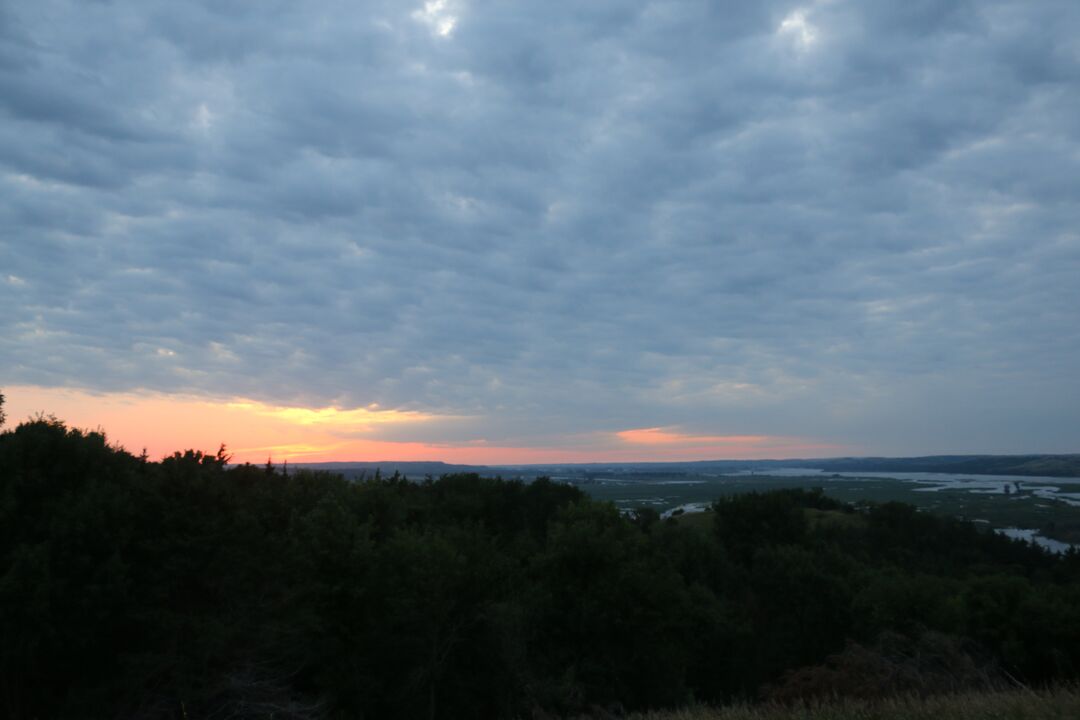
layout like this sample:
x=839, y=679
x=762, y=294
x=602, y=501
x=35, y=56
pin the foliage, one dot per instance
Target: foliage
x=189, y=587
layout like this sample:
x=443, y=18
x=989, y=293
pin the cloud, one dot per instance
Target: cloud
x=336, y=419
x=792, y=219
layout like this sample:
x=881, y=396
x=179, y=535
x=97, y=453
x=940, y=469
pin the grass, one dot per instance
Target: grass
x=1062, y=703
x=699, y=520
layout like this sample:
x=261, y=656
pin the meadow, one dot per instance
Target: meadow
x=1061, y=703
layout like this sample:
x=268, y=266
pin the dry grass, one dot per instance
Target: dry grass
x=1058, y=704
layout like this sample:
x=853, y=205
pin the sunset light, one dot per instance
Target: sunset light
x=663, y=436
x=254, y=432
x=358, y=419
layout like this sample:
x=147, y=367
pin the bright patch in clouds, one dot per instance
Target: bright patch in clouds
x=437, y=15
x=796, y=27
x=357, y=419
x=203, y=118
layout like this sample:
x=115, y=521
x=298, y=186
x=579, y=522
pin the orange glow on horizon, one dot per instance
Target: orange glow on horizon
x=663, y=436
x=254, y=431
x=251, y=431
x=667, y=443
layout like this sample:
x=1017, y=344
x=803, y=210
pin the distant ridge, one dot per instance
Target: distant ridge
x=1029, y=465
x=1023, y=465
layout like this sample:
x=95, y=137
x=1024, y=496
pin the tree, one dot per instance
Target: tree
x=1, y=409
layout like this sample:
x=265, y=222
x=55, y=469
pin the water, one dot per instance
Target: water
x=694, y=507
x=916, y=476
x=1032, y=536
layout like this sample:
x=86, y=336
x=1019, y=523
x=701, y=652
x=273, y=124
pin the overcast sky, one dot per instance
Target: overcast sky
x=571, y=229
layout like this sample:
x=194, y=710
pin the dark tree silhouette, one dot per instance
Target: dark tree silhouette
x=191, y=587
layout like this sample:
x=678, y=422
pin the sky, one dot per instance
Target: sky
x=505, y=232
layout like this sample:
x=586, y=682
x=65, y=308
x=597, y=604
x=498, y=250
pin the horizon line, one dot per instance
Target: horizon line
x=689, y=462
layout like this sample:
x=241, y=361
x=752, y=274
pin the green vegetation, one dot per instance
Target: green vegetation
x=186, y=588
x=1020, y=508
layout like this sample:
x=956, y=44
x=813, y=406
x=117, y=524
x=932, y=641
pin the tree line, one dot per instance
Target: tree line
x=189, y=588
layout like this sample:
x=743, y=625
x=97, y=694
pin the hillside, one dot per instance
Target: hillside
x=192, y=588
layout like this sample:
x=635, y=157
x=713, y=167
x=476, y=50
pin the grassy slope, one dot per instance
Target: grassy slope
x=1058, y=704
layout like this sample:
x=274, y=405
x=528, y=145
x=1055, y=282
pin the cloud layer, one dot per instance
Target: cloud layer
x=855, y=222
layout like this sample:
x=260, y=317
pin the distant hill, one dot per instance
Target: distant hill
x=1028, y=465
x=1047, y=465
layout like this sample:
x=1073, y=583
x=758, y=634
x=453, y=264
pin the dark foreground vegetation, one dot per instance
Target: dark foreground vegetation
x=187, y=589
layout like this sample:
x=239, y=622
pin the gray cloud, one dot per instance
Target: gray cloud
x=852, y=221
